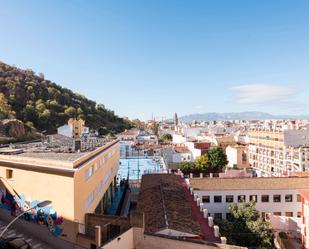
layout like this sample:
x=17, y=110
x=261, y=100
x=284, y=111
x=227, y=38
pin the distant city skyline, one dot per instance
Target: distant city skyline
x=156, y=58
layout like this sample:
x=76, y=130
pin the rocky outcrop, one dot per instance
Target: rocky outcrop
x=14, y=128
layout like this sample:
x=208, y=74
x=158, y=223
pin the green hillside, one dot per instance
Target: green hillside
x=45, y=105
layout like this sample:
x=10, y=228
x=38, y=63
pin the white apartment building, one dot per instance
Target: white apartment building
x=278, y=153
x=273, y=195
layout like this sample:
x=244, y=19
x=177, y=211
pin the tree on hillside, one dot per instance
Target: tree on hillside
x=137, y=123
x=32, y=98
x=100, y=107
x=166, y=137
x=5, y=108
x=217, y=158
x=103, y=131
x=201, y=163
x=29, y=113
x=71, y=112
x=246, y=228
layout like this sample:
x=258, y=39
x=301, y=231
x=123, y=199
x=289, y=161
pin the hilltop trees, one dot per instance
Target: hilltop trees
x=32, y=98
x=71, y=112
x=5, y=108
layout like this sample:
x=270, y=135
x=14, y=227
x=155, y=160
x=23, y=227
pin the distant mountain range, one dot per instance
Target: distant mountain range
x=211, y=116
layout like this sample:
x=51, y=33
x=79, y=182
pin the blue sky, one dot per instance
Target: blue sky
x=161, y=57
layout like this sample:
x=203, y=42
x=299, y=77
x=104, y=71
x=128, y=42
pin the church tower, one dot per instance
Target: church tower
x=175, y=119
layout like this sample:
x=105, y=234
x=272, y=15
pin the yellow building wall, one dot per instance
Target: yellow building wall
x=275, y=139
x=68, y=194
x=84, y=187
x=43, y=186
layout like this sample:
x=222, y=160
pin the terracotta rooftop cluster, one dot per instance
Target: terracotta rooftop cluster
x=161, y=199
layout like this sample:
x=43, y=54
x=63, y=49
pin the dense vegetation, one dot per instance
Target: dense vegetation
x=245, y=227
x=212, y=162
x=166, y=137
x=45, y=105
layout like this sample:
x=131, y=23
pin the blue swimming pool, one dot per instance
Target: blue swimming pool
x=135, y=168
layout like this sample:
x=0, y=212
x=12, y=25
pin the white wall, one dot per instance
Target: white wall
x=195, y=152
x=65, y=130
x=192, y=131
x=281, y=223
x=178, y=139
x=180, y=157
x=267, y=207
x=232, y=156
x=235, y=157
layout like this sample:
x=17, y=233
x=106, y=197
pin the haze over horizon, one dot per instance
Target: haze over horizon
x=162, y=57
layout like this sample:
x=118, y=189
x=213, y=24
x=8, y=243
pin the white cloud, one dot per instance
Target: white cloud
x=261, y=93
x=198, y=107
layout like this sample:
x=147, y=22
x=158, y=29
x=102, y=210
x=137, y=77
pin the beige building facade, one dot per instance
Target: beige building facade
x=76, y=183
x=279, y=153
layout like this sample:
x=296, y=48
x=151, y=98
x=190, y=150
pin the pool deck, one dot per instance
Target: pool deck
x=135, y=167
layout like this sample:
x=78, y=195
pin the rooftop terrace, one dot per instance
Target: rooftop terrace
x=38, y=154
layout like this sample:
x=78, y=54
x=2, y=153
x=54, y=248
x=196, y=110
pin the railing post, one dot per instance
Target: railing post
x=198, y=201
x=210, y=221
x=205, y=213
x=223, y=240
x=216, y=231
x=98, y=239
x=201, y=206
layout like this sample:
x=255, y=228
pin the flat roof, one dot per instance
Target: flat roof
x=255, y=183
x=53, y=160
x=60, y=156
